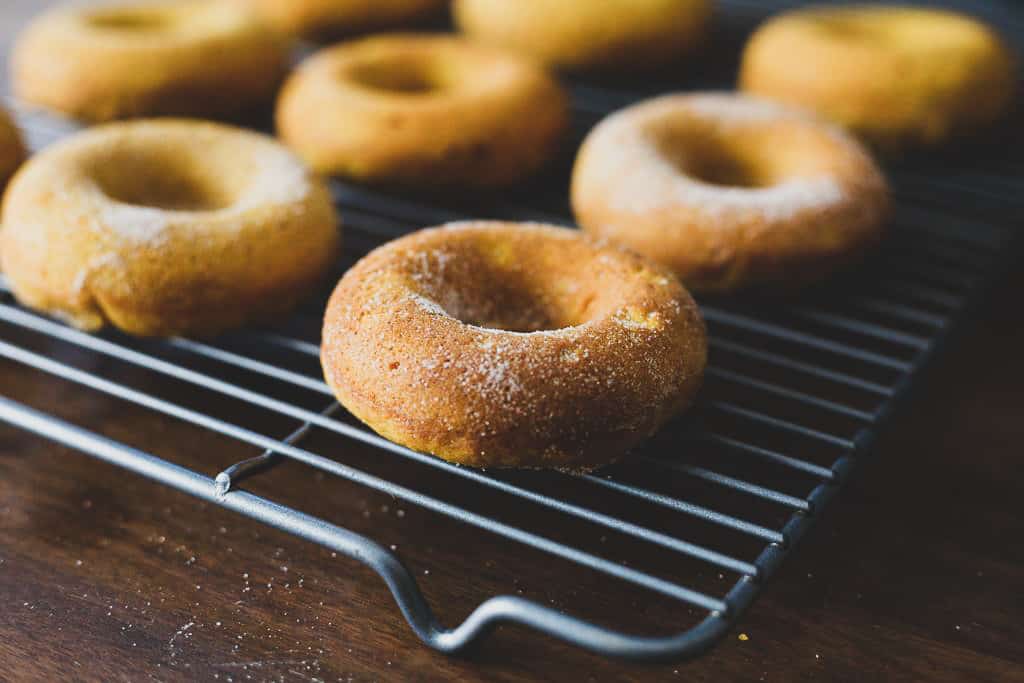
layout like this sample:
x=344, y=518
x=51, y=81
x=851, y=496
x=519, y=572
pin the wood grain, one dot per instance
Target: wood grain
x=917, y=574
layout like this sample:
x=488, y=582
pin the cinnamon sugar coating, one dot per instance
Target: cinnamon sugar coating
x=512, y=345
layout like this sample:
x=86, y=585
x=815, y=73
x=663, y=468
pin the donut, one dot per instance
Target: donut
x=610, y=35
x=512, y=345
x=166, y=227
x=319, y=19
x=190, y=58
x=898, y=77
x=422, y=110
x=12, y=149
x=728, y=190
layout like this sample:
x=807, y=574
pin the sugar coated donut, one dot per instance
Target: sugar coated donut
x=728, y=190
x=118, y=61
x=512, y=345
x=897, y=76
x=422, y=110
x=333, y=18
x=12, y=149
x=166, y=227
x=616, y=35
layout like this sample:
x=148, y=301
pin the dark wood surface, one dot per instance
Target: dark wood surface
x=917, y=573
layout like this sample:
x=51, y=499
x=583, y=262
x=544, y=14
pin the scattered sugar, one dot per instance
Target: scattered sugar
x=282, y=180
x=81, y=281
x=493, y=372
x=428, y=305
x=140, y=224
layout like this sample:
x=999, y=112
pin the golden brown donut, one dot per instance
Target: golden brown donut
x=166, y=227
x=333, y=18
x=512, y=345
x=422, y=110
x=729, y=190
x=896, y=76
x=12, y=149
x=615, y=35
x=117, y=61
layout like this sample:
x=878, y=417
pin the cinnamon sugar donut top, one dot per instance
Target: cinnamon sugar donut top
x=725, y=188
x=512, y=345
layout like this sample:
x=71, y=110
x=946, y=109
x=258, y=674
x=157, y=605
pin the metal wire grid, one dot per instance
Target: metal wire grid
x=797, y=393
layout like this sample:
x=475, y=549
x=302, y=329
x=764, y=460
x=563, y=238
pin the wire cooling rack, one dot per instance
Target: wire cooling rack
x=797, y=391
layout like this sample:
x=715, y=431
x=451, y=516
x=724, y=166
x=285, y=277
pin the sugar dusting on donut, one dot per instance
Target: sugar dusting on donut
x=99, y=228
x=643, y=180
x=728, y=107
x=398, y=343
x=432, y=307
x=81, y=281
x=140, y=224
x=281, y=180
x=428, y=305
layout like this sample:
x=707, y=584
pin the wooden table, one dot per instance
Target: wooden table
x=918, y=573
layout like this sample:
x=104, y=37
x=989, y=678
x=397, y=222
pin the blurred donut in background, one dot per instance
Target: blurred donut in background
x=165, y=227
x=118, y=61
x=320, y=19
x=730, y=191
x=898, y=77
x=12, y=149
x=423, y=110
x=611, y=35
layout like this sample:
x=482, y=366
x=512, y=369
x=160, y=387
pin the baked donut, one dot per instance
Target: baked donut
x=118, y=61
x=896, y=76
x=422, y=110
x=610, y=35
x=729, y=190
x=166, y=227
x=12, y=149
x=334, y=18
x=512, y=345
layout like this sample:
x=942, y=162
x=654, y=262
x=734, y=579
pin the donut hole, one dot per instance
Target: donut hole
x=747, y=157
x=165, y=181
x=401, y=75
x=716, y=160
x=524, y=287
x=726, y=169
x=510, y=306
x=129, y=20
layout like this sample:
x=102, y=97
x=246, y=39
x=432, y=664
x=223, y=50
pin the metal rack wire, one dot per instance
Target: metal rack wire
x=797, y=392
